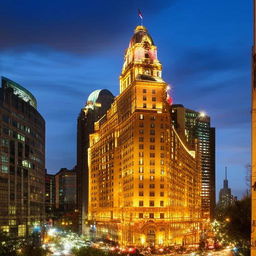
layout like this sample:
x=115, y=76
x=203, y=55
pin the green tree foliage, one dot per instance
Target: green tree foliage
x=88, y=251
x=234, y=225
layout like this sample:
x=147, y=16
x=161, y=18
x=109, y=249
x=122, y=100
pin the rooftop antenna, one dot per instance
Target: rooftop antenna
x=226, y=170
x=141, y=17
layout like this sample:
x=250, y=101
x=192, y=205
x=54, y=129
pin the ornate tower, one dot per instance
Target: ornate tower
x=140, y=59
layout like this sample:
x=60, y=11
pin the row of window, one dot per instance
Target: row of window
x=145, y=98
x=151, y=215
x=151, y=193
x=152, y=171
x=15, y=135
x=141, y=185
x=151, y=162
x=151, y=178
x=145, y=91
x=151, y=203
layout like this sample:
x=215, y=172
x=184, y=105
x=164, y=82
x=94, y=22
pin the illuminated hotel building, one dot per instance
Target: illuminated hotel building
x=22, y=162
x=193, y=126
x=144, y=183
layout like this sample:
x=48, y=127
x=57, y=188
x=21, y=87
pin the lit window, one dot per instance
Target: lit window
x=4, y=169
x=21, y=230
x=141, y=117
x=5, y=229
x=152, y=177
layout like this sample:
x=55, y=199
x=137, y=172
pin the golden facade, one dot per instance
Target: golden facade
x=144, y=183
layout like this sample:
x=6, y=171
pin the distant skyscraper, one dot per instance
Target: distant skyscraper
x=144, y=182
x=22, y=162
x=49, y=195
x=65, y=187
x=195, y=127
x=97, y=105
x=225, y=196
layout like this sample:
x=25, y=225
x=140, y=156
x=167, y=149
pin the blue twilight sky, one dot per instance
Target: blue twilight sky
x=62, y=50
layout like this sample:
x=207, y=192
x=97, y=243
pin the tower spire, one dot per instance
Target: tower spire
x=226, y=170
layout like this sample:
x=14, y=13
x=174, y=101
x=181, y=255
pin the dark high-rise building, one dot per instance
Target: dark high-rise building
x=195, y=127
x=49, y=195
x=65, y=190
x=22, y=160
x=97, y=105
x=65, y=214
x=225, y=196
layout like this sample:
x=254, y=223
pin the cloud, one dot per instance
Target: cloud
x=76, y=26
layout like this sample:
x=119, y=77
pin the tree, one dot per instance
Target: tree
x=233, y=225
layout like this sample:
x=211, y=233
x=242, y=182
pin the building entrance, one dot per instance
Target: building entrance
x=151, y=237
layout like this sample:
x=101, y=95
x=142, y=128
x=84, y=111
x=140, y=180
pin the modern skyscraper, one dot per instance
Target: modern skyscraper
x=22, y=162
x=195, y=127
x=97, y=105
x=144, y=183
x=225, y=196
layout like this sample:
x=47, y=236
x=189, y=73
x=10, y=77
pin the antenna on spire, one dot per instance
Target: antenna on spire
x=141, y=17
x=226, y=170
